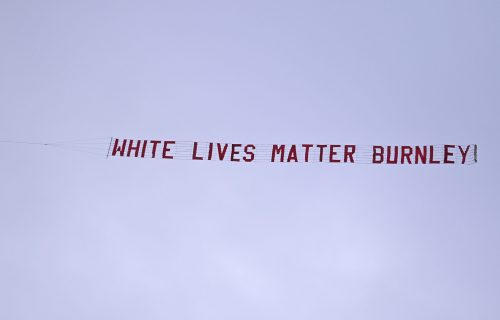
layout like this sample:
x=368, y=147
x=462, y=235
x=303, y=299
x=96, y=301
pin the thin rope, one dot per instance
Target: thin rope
x=97, y=151
x=25, y=142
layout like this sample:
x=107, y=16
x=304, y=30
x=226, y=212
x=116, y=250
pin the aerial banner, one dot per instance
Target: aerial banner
x=294, y=153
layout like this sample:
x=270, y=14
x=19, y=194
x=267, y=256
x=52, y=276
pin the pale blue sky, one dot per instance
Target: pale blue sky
x=82, y=237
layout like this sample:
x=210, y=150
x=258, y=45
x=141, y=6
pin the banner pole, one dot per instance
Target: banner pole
x=109, y=148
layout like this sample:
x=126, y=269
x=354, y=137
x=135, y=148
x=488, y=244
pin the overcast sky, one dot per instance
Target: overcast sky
x=82, y=237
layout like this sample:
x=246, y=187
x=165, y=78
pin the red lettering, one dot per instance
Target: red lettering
x=153, y=151
x=144, y=146
x=463, y=153
x=249, y=152
x=333, y=152
x=431, y=152
x=195, y=150
x=349, y=151
x=278, y=150
x=306, y=151
x=210, y=150
x=132, y=148
x=421, y=155
x=321, y=147
x=406, y=152
x=292, y=154
x=448, y=153
x=378, y=154
x=234, y=152
x=395, y=160
x=167, y=149
x=119, y=149
x=221, y=151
